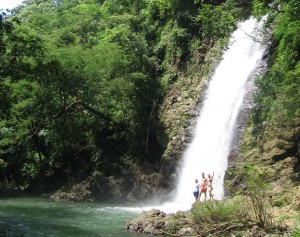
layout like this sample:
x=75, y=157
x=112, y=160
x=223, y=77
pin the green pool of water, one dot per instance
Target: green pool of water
x=43, y=218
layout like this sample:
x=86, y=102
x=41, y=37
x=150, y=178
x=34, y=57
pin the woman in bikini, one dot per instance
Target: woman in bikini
x=209, y=186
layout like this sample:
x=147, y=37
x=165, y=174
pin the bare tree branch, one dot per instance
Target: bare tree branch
x=87, y=107
x=255, y=39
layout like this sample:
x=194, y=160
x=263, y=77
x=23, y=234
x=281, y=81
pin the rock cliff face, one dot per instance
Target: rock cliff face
x=181, y=108
x=275, y=151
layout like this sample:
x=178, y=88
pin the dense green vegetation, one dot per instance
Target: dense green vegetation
x=279, y=96
x=82, y=81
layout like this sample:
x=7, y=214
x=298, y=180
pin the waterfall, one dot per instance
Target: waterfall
x=216, y=125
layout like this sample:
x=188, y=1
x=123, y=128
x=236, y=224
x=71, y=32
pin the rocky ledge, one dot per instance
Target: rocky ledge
x=158, y=223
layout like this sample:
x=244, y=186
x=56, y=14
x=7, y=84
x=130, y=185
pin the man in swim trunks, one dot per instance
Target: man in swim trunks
x=196, y=190
x=203, y=187
x=209, y=186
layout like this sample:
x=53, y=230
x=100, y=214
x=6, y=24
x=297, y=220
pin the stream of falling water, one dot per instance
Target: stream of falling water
x=216, y=124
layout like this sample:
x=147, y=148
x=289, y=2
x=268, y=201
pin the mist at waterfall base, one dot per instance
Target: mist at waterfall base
x=216, y=125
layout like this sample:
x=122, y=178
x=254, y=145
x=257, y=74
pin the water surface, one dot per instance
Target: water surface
x=41, y=217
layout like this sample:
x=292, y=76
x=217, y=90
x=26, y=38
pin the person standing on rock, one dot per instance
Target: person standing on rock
x=196, y=190
x=203, y=186
x=209, y=185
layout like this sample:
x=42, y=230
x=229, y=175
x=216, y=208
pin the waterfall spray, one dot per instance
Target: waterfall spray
x=216, y=125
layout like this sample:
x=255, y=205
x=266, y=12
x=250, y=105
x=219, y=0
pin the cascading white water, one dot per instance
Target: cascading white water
x=215, y=127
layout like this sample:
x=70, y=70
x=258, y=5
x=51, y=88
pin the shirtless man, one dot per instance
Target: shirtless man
x=209, y=186
x=203, y=187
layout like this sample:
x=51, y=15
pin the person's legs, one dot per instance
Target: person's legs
x=202, y=191
x=211, y=197
x=196, y=195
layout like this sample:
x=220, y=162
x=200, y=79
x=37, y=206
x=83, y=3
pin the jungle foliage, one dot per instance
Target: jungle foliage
x=81, y=81
x=279, y=94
